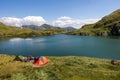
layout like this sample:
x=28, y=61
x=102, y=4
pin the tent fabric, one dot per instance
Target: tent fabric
x=30, y=59
x=17, y=58
x=41, y=61
x=45, y=60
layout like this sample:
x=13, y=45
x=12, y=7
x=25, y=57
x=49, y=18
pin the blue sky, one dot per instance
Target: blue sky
x=51, y=10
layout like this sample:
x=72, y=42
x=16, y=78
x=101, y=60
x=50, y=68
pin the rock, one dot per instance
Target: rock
x=115, y=62
x=116, y=29
x=105, y=33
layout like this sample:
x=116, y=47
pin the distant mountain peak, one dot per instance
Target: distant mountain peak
x=47, y=26
x=69, y=28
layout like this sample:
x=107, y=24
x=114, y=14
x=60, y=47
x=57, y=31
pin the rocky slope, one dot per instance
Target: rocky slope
x=108, y=25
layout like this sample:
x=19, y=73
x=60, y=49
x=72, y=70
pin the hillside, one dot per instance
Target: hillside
x=42, y=27
x=47, y=26
x=59, y=68
x=69, y=29
x=10, y=31
x=108, y=25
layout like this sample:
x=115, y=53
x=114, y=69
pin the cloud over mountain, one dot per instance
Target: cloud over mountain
x=29, y=20
x=38, y=20
x=68, y=21
x=33, y=20
x=12, y=21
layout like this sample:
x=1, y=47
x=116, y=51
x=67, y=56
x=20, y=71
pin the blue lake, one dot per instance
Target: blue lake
x=63, y=45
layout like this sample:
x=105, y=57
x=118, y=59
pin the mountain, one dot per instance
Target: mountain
x=10, y=31
x=34, y=27
x=109, y=20
x=108, y=25
x=42, y=27
x=70, y=29
x=47, y=26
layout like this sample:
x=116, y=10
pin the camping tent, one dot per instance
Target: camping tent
x=17, y=58
x=41, y=61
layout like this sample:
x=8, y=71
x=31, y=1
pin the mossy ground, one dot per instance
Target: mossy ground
x=59, y=68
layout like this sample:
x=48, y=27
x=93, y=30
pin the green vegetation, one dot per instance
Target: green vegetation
x=9, y=31
x=59, y=68
x=109, y=20
x=88, y=30
x=108, y=25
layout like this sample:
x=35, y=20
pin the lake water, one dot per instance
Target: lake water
x=63, y=45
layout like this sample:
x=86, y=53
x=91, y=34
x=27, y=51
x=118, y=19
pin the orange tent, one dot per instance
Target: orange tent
x=41, y=61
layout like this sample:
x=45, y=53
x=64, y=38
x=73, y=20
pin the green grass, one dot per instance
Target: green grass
x=101, y=28
x=109, y=20
x=59, y=68
x=89, y=30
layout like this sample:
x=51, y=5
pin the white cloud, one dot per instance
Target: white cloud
x=12, y=21
x=38, y=20
x=16, y=39
x=29, y=20
x=76, y=23
x=33, y=20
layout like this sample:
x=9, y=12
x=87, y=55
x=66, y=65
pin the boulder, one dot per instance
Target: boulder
x=116, y=29
x=115, y=62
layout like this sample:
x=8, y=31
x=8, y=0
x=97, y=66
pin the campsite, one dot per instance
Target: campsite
x=59, y=39
x=59, y=68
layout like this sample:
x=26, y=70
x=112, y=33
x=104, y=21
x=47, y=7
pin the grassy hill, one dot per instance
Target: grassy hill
x=108, y=25
x=9, y=31
x=109, y=20
x=59, y=68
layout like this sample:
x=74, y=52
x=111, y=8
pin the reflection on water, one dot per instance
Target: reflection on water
x=63, y=45
x=113, y=37
x=28, y=39
x=39, y=40
x=16, y=39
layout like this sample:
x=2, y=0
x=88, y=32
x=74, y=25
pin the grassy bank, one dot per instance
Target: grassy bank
x=59, y=68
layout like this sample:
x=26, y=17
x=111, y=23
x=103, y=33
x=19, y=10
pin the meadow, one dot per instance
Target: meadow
x=59, y=68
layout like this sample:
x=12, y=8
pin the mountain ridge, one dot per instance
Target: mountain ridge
x=47, y=26
x=12, y=31
x=109, y=25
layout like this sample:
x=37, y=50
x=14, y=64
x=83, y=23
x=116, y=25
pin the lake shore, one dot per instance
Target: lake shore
x=59, y=68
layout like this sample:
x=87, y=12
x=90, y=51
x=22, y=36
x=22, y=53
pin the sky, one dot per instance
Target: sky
x=60, y=13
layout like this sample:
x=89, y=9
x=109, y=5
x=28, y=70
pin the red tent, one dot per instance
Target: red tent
x=41, y=61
